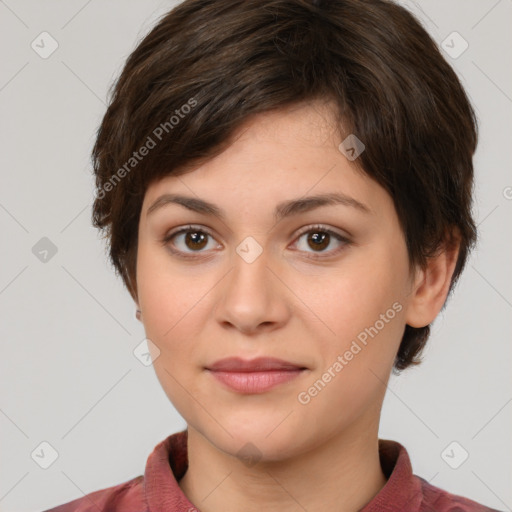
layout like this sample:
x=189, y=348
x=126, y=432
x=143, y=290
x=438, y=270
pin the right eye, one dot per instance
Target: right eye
x=188, y=240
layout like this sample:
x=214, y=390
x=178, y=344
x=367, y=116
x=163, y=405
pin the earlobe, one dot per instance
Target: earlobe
x=133, y=293
x=431, y=286
x=138, y=312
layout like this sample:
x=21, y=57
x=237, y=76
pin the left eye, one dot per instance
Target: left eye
x=320, y=238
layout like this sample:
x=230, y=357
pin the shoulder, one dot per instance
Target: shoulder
x=124, y=497
x=439, y=500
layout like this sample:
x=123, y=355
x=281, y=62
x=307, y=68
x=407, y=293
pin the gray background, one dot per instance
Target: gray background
x=68, y=330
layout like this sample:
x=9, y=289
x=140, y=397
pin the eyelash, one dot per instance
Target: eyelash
x=318, y=228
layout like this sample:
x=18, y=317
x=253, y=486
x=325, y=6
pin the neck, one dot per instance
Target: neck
x=343, y=474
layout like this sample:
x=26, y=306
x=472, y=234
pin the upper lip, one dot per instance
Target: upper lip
x=237, y=364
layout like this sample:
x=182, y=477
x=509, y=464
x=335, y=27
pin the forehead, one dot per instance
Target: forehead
x=273, y=157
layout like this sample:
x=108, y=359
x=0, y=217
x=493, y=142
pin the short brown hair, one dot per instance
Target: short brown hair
x=208, y=65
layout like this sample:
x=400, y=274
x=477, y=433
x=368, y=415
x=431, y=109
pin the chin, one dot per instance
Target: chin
x=256, y=441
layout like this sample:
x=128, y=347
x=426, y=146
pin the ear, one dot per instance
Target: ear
x=138, y=312
x=431, y=285
x=132, y=289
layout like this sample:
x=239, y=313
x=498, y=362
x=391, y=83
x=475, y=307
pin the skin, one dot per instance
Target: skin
x=322, y=455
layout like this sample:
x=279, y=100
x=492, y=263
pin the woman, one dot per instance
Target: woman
x=288, y=204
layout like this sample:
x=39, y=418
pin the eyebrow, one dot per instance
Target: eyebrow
x=282, y=210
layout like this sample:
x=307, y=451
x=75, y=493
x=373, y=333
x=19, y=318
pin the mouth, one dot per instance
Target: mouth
x=256, y=375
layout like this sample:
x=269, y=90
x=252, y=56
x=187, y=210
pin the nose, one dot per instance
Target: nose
x=252, y=298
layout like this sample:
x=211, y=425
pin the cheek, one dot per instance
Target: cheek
x=172, y=307
x=354, y=362
x=357, y=297
x=167, y=294
x=364, y=307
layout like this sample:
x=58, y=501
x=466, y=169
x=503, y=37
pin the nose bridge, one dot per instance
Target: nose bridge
x=250, y=295
x=250, y=277
x=250, y=262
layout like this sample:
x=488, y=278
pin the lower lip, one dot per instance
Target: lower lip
x=255, y=382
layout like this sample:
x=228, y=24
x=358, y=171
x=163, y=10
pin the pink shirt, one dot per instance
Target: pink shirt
x=158, y=489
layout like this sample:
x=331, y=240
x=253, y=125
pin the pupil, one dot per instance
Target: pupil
x=319, y=240
x=197, y=238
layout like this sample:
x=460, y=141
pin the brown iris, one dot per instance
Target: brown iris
x=320, y=240
x=197, y=240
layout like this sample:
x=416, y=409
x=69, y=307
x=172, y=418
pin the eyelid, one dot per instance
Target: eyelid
x=188, y=227
x=323, y=228
x=303, y=230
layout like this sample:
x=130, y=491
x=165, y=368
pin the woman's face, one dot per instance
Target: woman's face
x=324, y=286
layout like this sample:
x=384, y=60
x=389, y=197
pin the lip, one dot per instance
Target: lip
x=260, y=364
x=256, y=375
